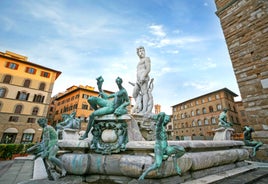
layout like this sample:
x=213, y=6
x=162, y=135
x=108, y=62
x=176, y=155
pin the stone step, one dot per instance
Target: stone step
x=221, y=177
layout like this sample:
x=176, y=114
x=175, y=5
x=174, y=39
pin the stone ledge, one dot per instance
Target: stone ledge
x=217, y=177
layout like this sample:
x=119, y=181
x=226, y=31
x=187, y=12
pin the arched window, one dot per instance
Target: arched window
x=206, y=121
x=213, y=120
x=232, y=119
x=35, y=111
x=219, y=107
x=234, y=108
x=199, y=122
x=204, y=110
x=192, y=113
x=197, y=112
x=193, y=123
x=27, y=83
x=42, y=86
x=2, y=92
x=18, y=109
x=7, y=79
x=210, y=109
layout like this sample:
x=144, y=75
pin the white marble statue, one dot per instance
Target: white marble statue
x=141, y=91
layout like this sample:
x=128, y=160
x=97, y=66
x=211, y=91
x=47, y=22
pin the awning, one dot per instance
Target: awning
x=29, y=131
x=11, y=130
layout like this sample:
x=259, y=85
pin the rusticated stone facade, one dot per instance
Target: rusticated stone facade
x=245, y=27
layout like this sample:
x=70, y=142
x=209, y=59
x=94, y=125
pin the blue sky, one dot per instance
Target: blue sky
x=87, y=38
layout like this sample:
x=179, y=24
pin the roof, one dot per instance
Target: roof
x=223, y=89
x=23, y=59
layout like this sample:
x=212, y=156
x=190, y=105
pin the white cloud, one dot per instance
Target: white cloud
x=201, y=85
x=157, y=30
x=204, y=65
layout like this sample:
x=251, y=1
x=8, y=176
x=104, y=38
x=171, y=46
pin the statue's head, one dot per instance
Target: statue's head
x=100, y=79
x=141, y=51
x=119, y=80
x=42, y=122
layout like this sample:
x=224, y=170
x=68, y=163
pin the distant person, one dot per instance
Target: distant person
x=103, y=106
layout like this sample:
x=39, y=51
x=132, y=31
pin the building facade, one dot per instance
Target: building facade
x=198, y=117
x=25, y=92
x=245, y=28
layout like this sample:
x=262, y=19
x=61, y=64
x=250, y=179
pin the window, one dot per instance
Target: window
x=45, y=74
x=18, y=109
x=27, y=138
x=217, y=96
x=210, y=109
x=84, y=106
x=232, y=119
x=192, y=113
x=38, y=98
x=42, y=86
x=199, y=122
x=2, y=92
x=203, y=100
x=197, y=112
x=75, y=106
x=204, y=110
x=213, y=120
x=22, y=95
x=229, y=107
x=219, y=107
x=234, y=109
x=206, y=121
x=196, y=102
x=7, y=79
x=209, y=99
x=71, y=108
x=8, y=138
x=30, y=70
x=193, y=123
x=31, y=120
x=35, y=111
x=27, y=83
x=85, y=96
x=12, y=66
x=14, y=118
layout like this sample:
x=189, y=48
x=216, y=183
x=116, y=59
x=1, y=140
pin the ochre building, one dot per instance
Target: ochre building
x=25, y=92
x=198, y=117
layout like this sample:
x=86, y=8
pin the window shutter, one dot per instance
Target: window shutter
x=18, y=95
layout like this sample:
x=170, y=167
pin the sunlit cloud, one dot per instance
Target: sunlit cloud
x=157, y=30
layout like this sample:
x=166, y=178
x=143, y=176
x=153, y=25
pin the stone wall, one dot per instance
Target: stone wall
x=245, y=27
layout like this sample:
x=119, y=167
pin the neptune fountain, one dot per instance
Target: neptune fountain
x=114, y=149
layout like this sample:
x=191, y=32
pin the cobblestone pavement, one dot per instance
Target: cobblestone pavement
x=16, y=171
